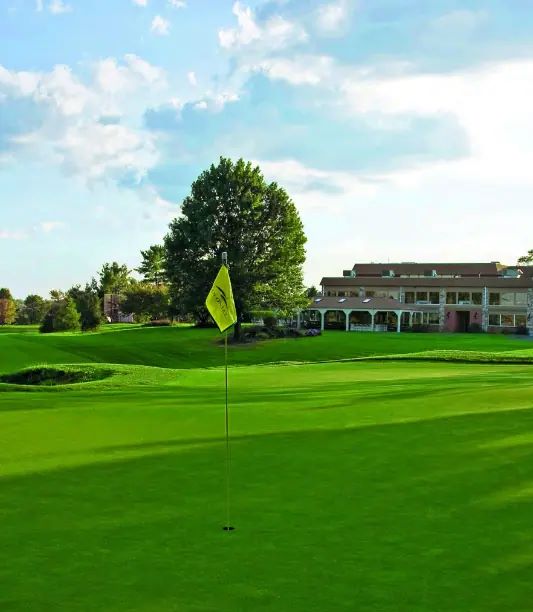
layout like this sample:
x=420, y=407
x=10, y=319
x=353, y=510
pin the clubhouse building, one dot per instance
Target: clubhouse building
x=452, y=297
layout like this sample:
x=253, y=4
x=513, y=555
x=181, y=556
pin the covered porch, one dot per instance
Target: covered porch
x=359, y=314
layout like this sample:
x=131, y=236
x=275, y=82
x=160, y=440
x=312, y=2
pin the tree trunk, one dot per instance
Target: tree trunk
x=237, y=332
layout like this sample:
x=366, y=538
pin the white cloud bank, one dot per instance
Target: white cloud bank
x=82, y=125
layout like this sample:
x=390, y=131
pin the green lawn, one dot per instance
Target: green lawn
x=368, y=485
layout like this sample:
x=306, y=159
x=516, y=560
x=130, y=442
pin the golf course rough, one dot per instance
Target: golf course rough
x=384, y=485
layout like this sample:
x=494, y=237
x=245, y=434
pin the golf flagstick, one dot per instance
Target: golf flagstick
x=228, y=526
x=221, y=307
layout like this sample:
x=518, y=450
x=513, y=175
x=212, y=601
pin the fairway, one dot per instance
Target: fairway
x=373, y=485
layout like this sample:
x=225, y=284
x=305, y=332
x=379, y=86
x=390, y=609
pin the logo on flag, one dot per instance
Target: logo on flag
x=220, y=302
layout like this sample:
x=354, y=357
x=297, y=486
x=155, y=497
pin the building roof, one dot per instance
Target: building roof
x=498, y=282
x=440, y=269
x=353, y=303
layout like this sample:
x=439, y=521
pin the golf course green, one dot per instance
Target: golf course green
x=372, y=472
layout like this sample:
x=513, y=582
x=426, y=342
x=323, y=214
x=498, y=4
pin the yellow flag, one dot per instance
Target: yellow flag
x=220, y=302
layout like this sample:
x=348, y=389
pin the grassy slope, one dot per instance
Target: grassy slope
x=185, y=347
x=371, y=486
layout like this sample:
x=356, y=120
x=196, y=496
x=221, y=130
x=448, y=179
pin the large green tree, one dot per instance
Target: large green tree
x=88, y=304
x=232, y=208
x=152, y=266
x=526, y=259
x=8, y=307
x=33, y=310
x=114, y=278
x=61, y=316
x=146, y=301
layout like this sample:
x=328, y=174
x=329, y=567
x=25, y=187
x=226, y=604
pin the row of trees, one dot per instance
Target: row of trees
x=82, y=307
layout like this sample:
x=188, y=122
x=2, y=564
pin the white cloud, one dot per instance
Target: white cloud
x=458, y=20
x=191, y=77
x=12, y=235
x=101, y=152
x=177, y=3
x=50, y=226
x=140, y=2
x=298, y=70
x=112, y=77
x=332, y=18
x=492, y=105
x=160, y=26
x=72, y=131
x=58, y=7
x=274, y=34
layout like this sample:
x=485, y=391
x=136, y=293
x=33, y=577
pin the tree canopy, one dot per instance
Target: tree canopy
x=526, y=259
x=232, y=208
x=8, y=307
x=114, y=278
x=61, y=316
x=152, y=266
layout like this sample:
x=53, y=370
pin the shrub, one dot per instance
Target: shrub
x=522, y=330
x=62, y=316
x=270, y=322
x=419, y=328
x=475, y=328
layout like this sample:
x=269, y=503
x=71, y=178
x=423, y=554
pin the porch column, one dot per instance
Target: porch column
x=372, y=315
x=298, y=319
x=322, y=316
x=411, y=319
x=347, y=314
x=399, y=321
x=485, y=310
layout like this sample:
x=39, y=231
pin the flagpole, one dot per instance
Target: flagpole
x=228, y=526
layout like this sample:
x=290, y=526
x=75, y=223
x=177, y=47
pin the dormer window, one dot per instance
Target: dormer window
x=387, y=273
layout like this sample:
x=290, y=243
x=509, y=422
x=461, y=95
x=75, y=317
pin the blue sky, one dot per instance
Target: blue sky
x=401, y=128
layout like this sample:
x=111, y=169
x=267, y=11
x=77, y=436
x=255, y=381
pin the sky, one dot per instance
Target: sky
x=402, y=129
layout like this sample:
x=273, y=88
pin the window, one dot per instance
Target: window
x=520, y=320
x=341, y=293
x=507, y=320
x=494, y=319
x=433, y=318
x=494, y=299
x=451, y=297
x=421, y=296
x=434, y=297
x=520, y=299
x=354, y=293
x=477, y=298
x=370, y=293
x=409, y=297
x=463, y=297
x=507, y=299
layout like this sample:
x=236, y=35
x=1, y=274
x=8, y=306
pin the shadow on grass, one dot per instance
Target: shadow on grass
x=387, y=518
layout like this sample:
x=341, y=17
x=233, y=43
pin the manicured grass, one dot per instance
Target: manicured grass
x=186, y=347
x=374, y=485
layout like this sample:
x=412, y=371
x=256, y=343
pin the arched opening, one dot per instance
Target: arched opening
x=385, y=321
x=335, y=319
x=360, y=320
x=310, y=319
